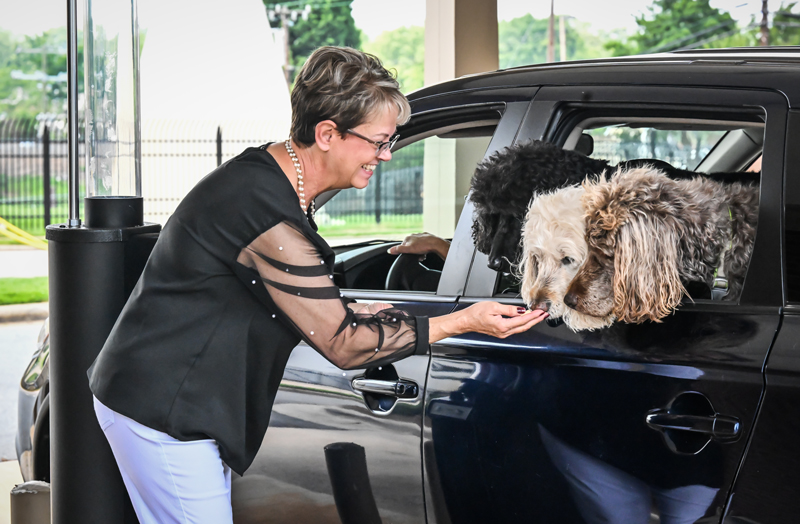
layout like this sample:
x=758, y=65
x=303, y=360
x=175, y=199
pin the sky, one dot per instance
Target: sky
x=36, y=16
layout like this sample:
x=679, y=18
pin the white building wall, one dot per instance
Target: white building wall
x=203, y=66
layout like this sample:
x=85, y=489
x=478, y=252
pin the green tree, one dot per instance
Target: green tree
x=329, y=22
x=30, y=56
x=677, y=24
x=523, y=41
x=785, y=26
x=594, y=43
x=26, y=98
x=7, y=46
x=7, y=86
x=402, y=50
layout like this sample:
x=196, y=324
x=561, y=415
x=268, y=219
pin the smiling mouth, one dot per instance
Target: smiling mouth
x=369, y=168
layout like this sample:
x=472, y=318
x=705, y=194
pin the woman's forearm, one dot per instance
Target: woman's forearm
x=446, y=326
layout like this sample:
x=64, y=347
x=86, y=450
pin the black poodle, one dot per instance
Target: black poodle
x=504, y=183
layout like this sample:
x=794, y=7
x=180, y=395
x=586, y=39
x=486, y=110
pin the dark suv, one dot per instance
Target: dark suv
x=677, y=421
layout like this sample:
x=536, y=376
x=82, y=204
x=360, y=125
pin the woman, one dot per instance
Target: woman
x=185, y=383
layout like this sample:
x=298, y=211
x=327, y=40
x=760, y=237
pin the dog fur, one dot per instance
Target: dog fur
x=504, y=184
x=554, y=248
x=502, y=188
x=648, y=235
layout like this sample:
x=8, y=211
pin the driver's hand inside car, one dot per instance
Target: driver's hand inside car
x=422, y=244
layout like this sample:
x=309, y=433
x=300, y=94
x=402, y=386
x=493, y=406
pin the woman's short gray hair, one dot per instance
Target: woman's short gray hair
x=346, y=86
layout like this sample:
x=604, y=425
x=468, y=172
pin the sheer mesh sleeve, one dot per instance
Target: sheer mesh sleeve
x=288, y=273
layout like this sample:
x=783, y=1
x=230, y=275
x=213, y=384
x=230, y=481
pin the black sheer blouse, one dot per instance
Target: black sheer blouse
x=236, y=279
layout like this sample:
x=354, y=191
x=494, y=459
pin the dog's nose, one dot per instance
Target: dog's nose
x=495, y=263
x=544, y=305
x=571, y=299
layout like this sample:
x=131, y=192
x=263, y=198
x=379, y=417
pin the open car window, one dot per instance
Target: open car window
x=726, y=147
x=688, y=144
x=422, y=189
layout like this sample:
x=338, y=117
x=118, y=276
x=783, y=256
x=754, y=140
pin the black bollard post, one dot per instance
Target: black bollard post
x=352, y=493
x=90, y=268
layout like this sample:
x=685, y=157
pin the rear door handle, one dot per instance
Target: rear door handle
x=393, y=388
x=716, y=426
x=689, y=422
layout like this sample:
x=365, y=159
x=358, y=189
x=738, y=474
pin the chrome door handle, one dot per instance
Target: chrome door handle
x=716, y=426
x=392, y=388
x=689, y=422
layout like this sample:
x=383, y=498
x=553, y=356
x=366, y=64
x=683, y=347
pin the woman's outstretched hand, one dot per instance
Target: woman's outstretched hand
x=489, y=318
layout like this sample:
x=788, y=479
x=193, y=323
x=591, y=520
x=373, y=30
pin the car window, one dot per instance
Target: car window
x=684, y=149
x=422, y=189
x=728, y=146
x=389, y=207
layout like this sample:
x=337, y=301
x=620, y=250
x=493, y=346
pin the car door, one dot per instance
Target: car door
x=766, y=487
x=349, y=442
x=631, y=423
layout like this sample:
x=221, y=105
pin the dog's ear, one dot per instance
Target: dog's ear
x=647, y=285
x=526, y=267
x=604, y=214
x=526, y=270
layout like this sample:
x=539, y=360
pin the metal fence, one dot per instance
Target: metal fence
x=33, y=173
x=395, y=190
x=175, y=156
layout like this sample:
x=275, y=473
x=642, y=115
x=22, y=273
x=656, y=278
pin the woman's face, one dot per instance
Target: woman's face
x=355, y=158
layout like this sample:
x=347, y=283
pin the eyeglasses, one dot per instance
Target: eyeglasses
x=381, y=146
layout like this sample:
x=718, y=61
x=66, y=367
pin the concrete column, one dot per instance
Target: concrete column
x=460, y=39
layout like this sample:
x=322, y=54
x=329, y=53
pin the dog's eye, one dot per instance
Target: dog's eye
x=566, y=261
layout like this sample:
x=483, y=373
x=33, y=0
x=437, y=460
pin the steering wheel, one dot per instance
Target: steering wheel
x=409, y=273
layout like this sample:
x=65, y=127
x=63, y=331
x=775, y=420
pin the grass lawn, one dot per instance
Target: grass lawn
x=23, y=290
x=395, y=226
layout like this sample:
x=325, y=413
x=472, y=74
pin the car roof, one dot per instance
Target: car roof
x=774, y=68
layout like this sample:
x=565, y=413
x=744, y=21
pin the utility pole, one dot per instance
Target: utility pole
x=286, y=17
x=562, y=39
x=764, y=24
x=551, y=53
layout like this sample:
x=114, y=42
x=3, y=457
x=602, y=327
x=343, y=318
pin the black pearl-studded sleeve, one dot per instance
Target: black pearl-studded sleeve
x=287, y=273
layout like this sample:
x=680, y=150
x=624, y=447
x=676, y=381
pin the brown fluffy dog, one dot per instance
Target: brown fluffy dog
x=553, y=249
x=647, y=235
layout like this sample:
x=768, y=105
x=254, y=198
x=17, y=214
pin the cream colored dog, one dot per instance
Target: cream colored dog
x=553, y=250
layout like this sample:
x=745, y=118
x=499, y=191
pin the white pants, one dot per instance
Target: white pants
x=168, y=480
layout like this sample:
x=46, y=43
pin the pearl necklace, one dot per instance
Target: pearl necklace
x=299, y=170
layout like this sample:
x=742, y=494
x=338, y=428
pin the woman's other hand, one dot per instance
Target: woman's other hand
x=489, y=318
x=422, y=244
